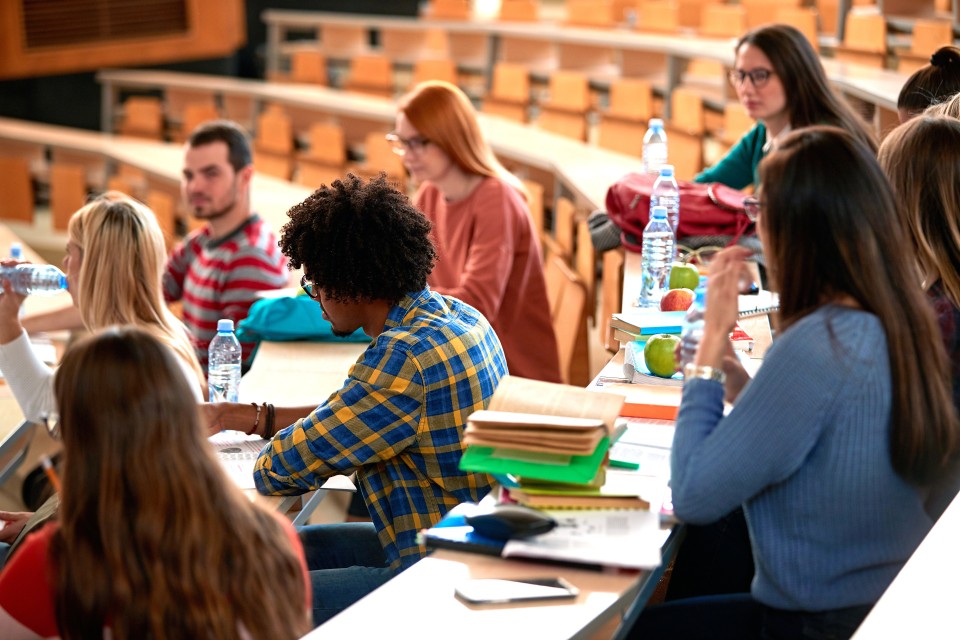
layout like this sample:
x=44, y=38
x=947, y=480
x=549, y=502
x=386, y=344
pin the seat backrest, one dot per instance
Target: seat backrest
x=195, y=114
x=804, y=19
x=736, y=122
x=68, y=192
x=16, y=189
x=569, y=91
x=723, y=20
x=327, y=144
x=585, y=263
x=611, y=295
x=274, y=130
x=865, y=31
x=424, y=70
x=449, y=9
x=380, y=155
x=631, y=99
x=519, y=10
x=511, y=83
x=686, y=110
x=142, y=116
x=661, y=16
x=308, y=66
x=590, y=13
x=930, y=35
x=370, y=72
x=568, y=300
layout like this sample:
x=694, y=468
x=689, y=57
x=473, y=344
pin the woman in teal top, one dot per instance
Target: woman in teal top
x=780, y=82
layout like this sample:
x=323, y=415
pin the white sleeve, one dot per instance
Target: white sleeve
x=30, y=379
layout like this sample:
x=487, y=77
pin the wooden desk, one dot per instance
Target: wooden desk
x=628, y=49
x=428, y=587
x=582, y=170
x=160, y=161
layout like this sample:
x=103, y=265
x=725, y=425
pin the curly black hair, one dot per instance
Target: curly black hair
x=360, y=241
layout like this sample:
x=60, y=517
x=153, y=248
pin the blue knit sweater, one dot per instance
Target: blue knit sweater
x=806, y=452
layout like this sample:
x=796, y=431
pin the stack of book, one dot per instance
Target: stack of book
x=637, y=325
x=550, y=442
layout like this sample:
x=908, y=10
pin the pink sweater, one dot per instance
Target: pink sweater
x=490, y=259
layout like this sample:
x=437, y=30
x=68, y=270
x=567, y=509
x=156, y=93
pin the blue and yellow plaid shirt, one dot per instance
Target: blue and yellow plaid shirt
x=398, y=421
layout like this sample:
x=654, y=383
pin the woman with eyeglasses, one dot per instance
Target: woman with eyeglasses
x=489, y=249
x=843, y=448
x=780, y=82
x=114, y=266
x=153, y=540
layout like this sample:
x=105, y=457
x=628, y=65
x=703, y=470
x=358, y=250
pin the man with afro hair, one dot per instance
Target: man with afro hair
x=398, y=420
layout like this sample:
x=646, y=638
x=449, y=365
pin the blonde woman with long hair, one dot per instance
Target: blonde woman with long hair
x=489, y=252
x=153, y=540
x=114, y=265
x=922, y=161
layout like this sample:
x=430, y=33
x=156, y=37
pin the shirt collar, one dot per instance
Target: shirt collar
x=402, y=308
x=769, y=143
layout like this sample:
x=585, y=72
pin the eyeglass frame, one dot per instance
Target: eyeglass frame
x=752, y=207
x=402, y=146
x=739, y=76
x=51, y=422
x=312, y=291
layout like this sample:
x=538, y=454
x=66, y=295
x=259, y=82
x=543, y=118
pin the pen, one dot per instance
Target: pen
x=51, y=473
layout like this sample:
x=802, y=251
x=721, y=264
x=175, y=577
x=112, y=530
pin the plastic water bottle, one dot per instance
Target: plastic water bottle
x=654, y=147
x=223, y=373
x=666, y=193
x=35, y=279
x=693, y=324
x=656, y=257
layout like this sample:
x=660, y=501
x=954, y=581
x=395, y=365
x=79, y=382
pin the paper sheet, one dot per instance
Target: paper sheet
x=238, y=454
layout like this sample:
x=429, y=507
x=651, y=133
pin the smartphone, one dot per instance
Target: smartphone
x=495, y=591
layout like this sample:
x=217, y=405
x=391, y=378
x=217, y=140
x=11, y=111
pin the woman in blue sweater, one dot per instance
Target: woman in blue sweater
x=780, y=82
x=842, y=449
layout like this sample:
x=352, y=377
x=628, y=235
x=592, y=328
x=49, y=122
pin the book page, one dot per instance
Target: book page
x=547, y=398
x=610, y=537
x=238, y=455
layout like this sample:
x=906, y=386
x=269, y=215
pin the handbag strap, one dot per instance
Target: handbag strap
x=716, y=201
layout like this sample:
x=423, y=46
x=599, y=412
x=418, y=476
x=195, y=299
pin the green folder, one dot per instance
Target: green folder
x=542, y=466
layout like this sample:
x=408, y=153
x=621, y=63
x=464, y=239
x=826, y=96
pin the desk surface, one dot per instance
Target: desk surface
x=585, y=170
x=271, y=197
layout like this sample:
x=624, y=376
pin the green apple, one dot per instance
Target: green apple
x=659, y=354
x=684, y=275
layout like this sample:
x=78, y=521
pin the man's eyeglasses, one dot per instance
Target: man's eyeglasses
x=51, y=421
x=751, y=207
x=402, y=146
x=309, y=288
x=759, y=77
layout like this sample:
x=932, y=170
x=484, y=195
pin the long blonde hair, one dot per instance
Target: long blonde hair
x=121, y=274
x=155, y=541
x=442, y=113
x=922, y=160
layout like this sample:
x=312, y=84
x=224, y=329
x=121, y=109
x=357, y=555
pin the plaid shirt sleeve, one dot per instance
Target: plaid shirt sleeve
x=374, y=417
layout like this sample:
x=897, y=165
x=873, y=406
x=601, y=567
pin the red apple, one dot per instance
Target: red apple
x=676, y=300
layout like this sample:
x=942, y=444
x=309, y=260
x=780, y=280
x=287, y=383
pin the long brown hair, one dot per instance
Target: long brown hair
x=442, y=113
x=810, y=99
x=832, y=231
x=121, y=274
x=922, y=160
x=154, y=542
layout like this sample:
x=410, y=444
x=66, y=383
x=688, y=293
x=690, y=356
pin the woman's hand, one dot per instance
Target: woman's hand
x=13, y=523
x=722, y=305
x=737, y=376
x=10, y=303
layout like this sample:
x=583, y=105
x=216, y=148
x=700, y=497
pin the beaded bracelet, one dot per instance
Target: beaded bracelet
x=271, y=420
x=256, y=423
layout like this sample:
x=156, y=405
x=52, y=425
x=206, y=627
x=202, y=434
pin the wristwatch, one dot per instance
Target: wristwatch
x=704, y=372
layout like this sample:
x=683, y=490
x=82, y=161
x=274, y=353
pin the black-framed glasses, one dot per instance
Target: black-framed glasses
x=751, y=206
x=51, y=421
x=401, y=146
x=309, y=288
x=759, y=77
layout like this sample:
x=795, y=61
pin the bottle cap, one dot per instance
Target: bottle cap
x=225, y=325
x=16, y=251
x=666, y=170
x=658, y=212
x=656, y=123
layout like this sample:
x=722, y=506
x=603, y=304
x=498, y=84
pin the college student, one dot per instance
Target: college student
x=931, y=84
x=781, y=84
x=922, y=160
x=398, y=420
x=152, y=539
x=218, y=270
x=114, y=267
x=489, y=250
x=843, y=448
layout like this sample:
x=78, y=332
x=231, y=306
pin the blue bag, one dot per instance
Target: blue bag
x=290, y=318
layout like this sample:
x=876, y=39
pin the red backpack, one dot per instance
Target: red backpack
x=705, y=209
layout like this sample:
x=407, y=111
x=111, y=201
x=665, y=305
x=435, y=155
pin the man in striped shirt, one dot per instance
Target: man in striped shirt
x=398, y=420
x=217, y=270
